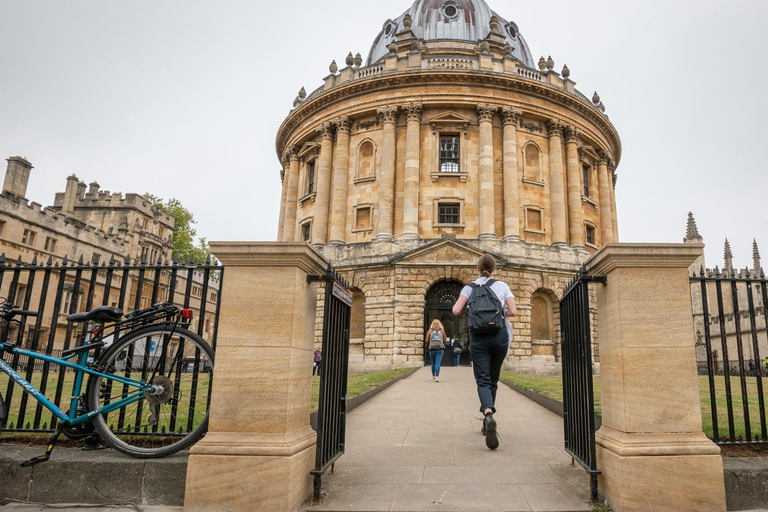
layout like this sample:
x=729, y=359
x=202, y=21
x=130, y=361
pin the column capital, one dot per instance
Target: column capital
x=342, y=124
x=326, y=130
x=555, y=127
x=388, y=114
x=485, y=112
x=413, y=111
x=572, y=134
x=603, y=157
x=291, y=153
x=510, y=115
x=282, y=173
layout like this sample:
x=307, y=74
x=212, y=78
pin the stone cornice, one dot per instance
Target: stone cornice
x=270, y=254
x=613, y=256
x=395, y=80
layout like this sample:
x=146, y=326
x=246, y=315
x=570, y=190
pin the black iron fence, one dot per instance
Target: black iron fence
x=332, y=407
x=730, y=318
x=578, y=395
x=56, y=290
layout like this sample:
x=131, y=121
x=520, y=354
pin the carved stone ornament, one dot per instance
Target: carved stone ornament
x=555, y=127
x=342, y=124
x=302, y=93
x=350, y=59
x=333, y=68
x=291, y=153
x=510, y=115
x=358, y=60
x=282, y=175
x=494, y=23
x=485, y=112
x=572, y=134
x=603, y=157
x=388, y=114
x=531, y=127
x=413, y=111
x=407, y=22
x=542, y=63
x=326, y=130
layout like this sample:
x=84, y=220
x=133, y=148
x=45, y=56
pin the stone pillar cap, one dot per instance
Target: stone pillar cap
x=642, y=255
x=270, y=254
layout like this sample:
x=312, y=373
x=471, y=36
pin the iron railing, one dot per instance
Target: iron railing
x=578, y=394
x=332, y=407
x=58, y=289
x=737, y=324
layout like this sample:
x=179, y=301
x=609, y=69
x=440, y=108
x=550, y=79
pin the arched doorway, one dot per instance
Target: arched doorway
x=439, y=302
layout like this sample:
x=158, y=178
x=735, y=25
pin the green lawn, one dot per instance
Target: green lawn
x=552, y=387
x=359, y=383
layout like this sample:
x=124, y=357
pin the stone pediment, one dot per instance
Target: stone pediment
x=310, y=149
x=443, y=252
x=449, y=121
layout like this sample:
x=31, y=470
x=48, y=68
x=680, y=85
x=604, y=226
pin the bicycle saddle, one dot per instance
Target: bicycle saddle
x=99, y=314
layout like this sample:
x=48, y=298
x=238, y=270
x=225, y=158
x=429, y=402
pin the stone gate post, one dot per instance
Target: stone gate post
x=260, y=448
x=651, y=449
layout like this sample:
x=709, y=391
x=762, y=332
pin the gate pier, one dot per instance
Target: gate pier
x=651, y=449
x=260, y=448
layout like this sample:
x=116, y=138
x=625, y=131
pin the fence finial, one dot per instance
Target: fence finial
x=717, y=271
x=34, y=261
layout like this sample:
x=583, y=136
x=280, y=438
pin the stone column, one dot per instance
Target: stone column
x=556, y=184
x=323, y=186
x=292, y=196
x=260, y=447
x=412, y=172
x=575, y=208
x=510, y=118
x=284, y=188
x=606, y=217
x=385, y=232
x=614, y=217
x=651, y=449
x=485, y=172
x=340, y=181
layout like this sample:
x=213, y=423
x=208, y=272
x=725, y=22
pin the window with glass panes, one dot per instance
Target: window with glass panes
x=586, y=180
x=310, y=177
x=591, y=235
x=449, y=153
x=449, y=213
x=305, y=232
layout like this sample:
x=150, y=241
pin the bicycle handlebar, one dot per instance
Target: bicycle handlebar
x=9, y=313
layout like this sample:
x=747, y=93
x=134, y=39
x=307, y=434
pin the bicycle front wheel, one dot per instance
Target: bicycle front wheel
x=173, y=413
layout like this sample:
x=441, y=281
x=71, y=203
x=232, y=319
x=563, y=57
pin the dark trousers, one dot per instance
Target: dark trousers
x=488, y=353
x=317, y=367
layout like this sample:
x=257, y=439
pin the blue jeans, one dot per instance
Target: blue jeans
x=456, y=358
x=436, y=356
x=488, y=353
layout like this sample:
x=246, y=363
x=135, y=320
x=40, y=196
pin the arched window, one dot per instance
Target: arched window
x=542, y=324
x=357, y=318
x=532, y=162
x=366, y=160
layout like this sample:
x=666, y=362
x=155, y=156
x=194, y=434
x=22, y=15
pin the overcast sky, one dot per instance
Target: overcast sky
x=182, y=98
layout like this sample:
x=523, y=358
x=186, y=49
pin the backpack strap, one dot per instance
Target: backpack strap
x=473, y=285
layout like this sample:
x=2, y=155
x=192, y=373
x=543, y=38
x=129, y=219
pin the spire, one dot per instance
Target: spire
x=728, y=256
x=692, y=233
x=755, y=257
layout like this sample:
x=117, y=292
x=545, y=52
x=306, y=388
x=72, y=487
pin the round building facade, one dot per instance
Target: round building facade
x=451, y=142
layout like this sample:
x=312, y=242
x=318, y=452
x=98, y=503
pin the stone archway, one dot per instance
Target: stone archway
x=439, y=301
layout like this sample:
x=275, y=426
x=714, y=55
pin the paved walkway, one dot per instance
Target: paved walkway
x=417, y=447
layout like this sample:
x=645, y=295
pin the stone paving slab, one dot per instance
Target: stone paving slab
x=417, y=447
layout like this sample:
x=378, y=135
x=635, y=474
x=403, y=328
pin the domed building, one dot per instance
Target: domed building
x=450, y=142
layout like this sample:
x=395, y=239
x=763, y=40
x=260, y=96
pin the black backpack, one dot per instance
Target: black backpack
x=485, y=311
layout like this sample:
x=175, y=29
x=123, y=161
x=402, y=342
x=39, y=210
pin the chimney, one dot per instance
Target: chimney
x=93, y=190
x=70, y=195
x=81, y=190
x=17, y=176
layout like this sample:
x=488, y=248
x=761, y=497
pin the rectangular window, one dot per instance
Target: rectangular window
x=449, y=153
x=449, y=213
x=363, y=218
x=586, y=181
x=50, y=244
x=96, y=258
x=2, y=227
x=28, y=237
x=305, y=232
x=590, y=235
x=310, y=177
x=21, y=292
x=534, y=220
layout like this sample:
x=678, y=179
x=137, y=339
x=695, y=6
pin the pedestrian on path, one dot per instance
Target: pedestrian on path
x=318, y=361
x=456, y=351
x=490, y=336
x=435, y=342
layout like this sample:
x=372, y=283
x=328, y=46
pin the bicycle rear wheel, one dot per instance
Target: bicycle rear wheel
x=180, y=368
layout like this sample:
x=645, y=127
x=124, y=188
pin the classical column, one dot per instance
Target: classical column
x=323, y=186
x=606, y=217
x=292, y=195
x=556, y=187
x=510, y=118
x=612, y=179
x=340, y=181
x=386, y=230
x=412, y=171
x=575, y=209
x=485, y=172
x=284, y=188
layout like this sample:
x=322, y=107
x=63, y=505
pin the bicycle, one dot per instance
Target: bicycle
x=147, y=393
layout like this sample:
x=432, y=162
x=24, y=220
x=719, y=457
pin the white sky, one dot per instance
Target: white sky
x=182, y=98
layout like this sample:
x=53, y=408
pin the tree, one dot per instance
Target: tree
x=183, y=233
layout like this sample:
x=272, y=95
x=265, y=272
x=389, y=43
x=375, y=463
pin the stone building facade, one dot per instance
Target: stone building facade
x=451, y=142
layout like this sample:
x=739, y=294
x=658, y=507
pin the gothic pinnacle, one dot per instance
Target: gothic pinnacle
x=755, y=256
x=692, y=233
x=728, y=256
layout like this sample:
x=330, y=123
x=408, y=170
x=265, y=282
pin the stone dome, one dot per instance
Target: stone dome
x=459, y=20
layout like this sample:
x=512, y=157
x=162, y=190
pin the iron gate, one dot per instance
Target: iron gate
x=578, y=395
x=332, y=406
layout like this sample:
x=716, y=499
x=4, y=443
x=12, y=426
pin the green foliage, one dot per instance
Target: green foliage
x=183, y=231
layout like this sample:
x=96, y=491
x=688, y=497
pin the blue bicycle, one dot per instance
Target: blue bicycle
x=146, y=379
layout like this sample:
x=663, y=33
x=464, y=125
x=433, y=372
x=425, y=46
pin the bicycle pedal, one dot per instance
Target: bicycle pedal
x=34, y=461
